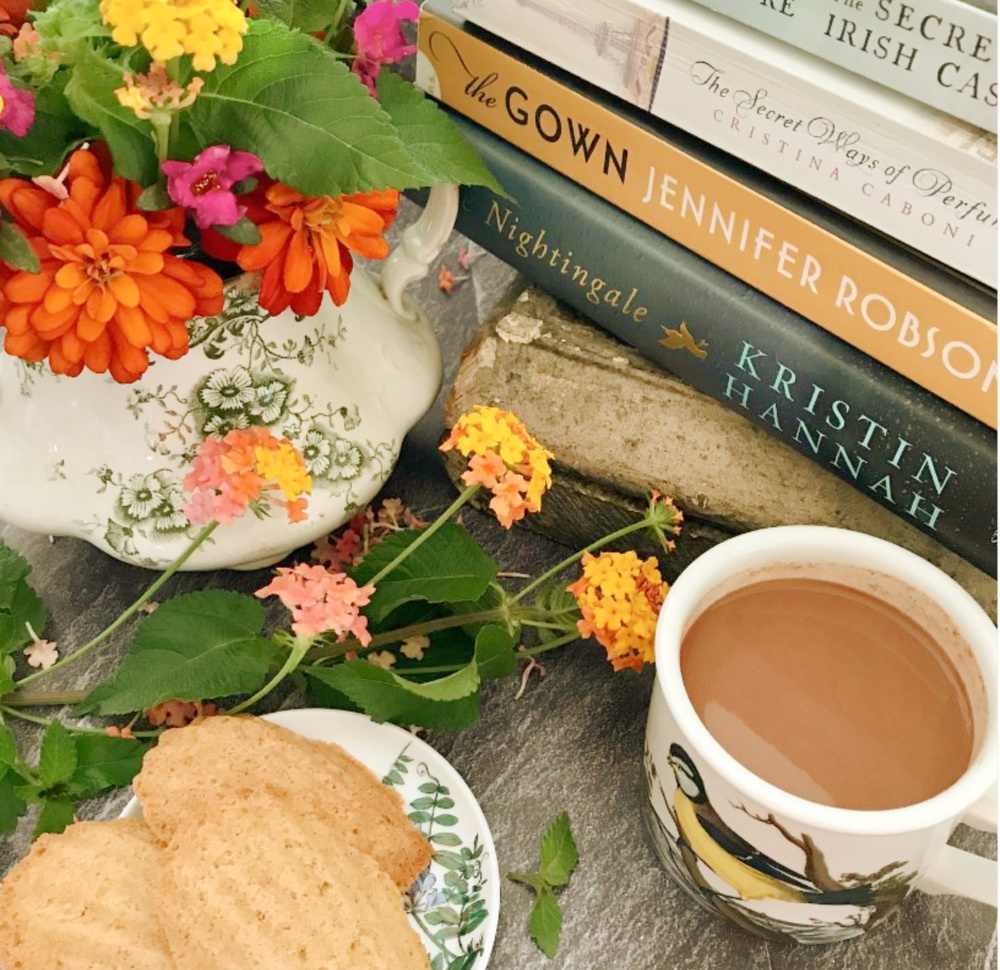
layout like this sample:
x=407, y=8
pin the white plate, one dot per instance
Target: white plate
x=454, y=904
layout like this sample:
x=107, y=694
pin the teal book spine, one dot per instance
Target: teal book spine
x=901, y=445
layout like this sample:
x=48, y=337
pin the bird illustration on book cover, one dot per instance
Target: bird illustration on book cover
x=683, y=339
x=728, y=875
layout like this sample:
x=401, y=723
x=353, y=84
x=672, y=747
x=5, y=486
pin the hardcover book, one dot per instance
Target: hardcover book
x=918, y=318
x=939, y=52
x=907, y=170
x=900, y=445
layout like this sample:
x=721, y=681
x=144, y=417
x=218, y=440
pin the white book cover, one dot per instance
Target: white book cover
x=941, y=52
x=899, y=166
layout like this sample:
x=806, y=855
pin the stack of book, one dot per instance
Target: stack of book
x=795, y=214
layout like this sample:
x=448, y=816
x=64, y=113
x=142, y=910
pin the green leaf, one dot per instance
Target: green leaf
x=25, y=608
x=495, y=653
x=8, y=749
x=14, y=248
x=196, y=646
x=305, y=15
x=245, y=231
x=312, y=123
x=7, y=668
x=54, y=816
x=14, y=569
x=154, y=198
x=57, y=758
x=448, y=567
x=104, y=762
x=90, y=92
x=561, y=606
x=559, y=854
x=431, y=136
x=558, y=859
x=546, y=922
x=449, y=703
x=12, y=807
x=19, y=604
x=63, y=25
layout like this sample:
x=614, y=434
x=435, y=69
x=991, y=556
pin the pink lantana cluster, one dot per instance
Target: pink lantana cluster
x=322, y=601
x=378, y=37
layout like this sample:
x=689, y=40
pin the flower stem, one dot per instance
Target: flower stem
x=300, y=646
x=569, y=560
x=44, y=698
x=413, y=630
x=46, y=721
x=423, y=536
x=152, y=590
x=549, y=645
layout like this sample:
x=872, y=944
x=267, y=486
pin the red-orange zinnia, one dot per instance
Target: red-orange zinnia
x=108, y=291
x=306, y=244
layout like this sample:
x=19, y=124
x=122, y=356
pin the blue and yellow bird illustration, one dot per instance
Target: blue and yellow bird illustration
x=751, y=873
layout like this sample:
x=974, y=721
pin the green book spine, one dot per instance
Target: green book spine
x=899, y=444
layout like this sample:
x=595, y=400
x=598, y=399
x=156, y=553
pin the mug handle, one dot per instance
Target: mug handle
x=420, y=245
x=955, y=872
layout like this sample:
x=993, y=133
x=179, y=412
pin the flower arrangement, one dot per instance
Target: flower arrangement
x=149, y=148
x=398, y=618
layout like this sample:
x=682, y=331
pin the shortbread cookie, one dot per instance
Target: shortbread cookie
x=196, y=765
x=85, y=900
x=254, y=885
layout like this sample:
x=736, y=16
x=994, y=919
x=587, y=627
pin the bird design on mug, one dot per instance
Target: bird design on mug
x=751, y=873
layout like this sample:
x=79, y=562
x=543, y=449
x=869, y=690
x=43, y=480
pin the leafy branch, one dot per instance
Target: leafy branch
x=558, y=859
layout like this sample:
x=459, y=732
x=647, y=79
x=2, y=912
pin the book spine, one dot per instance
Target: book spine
x=925, y=461
x=939, y=52
x=911, y=327
x=911, y=172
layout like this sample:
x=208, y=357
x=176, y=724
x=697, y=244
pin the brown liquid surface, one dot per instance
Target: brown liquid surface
x=828, y=693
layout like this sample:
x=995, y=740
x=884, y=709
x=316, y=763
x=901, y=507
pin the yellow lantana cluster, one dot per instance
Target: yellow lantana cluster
x=206, y=29
x=504, y=458
x=620, y=597
x=283, y=465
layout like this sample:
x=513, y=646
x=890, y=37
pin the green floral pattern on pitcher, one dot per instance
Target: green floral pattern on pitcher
x=255, y=391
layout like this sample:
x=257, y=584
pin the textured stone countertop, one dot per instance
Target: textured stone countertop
x=572, y=742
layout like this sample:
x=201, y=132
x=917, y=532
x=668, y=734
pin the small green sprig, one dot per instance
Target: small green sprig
x=558, y=859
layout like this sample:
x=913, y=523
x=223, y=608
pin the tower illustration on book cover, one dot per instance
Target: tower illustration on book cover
x=629, y=48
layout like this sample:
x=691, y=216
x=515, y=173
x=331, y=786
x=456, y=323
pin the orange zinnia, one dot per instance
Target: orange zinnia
x=108, y=290
x=306, y=244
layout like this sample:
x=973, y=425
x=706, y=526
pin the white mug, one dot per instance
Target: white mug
x=831, y=873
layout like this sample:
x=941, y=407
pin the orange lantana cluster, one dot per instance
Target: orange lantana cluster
x=504, y=458
x=620, y=597
x=108, y=291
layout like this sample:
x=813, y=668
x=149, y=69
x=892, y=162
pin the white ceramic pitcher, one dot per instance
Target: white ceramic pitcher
x=102, y=461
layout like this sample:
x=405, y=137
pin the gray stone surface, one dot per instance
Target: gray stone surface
x=572, y=743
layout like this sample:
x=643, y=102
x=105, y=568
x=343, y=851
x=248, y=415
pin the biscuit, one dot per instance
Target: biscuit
x=85, y=899
x=254, y=885
x=198, y=764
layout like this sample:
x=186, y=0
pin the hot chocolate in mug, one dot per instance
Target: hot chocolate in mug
x=782, y=865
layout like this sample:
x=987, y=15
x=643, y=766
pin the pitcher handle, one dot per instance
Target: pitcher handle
x=419, y=246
